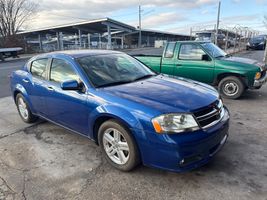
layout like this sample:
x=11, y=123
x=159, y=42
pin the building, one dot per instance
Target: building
x=103, y=33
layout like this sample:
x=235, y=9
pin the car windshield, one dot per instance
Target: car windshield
x=257, y=39
x=213, y=50
x=113, y=69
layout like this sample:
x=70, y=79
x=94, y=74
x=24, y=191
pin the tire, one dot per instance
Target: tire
x=231, y=87
x=24, y=110
x=120, y=159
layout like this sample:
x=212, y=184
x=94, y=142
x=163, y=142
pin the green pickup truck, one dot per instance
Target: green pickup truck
x=205, y=62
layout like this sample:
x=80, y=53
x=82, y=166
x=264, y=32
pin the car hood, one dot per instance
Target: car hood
x=167, y=94
x=241, y=60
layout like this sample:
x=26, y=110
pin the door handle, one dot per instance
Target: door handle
x=25, y=80
x=50, y=88
x=179, y=65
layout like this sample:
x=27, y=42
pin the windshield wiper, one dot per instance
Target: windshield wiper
x=220, y=56
x=144, y=77
x=114, y=84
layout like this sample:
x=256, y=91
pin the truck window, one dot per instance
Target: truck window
x=170, y=50
x=190, y=52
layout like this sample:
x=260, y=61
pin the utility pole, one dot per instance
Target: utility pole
x=140, y=34
x=218, y=22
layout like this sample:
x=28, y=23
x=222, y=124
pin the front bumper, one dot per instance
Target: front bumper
x=183, y=152
x=260, y=82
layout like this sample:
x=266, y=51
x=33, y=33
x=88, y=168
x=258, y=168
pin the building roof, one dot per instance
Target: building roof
x=80, y=53
x=90, y=26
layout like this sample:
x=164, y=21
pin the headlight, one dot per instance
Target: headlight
x=262, y=43
x=258, y=75
x=248, y=44
x=174, y=123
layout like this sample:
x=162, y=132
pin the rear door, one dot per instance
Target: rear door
x=190, y=63
x=66, y=107
x=35, y=84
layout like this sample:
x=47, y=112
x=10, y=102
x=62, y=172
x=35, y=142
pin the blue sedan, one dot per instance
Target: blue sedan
x=134, y=114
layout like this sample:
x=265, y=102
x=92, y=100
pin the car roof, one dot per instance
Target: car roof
x=194, y=41
x=78, y=53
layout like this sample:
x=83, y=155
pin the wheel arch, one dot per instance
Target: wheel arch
x=19, y=89
x=103, y=117
x=227, y=74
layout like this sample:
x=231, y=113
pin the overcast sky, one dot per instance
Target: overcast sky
x=166, y=15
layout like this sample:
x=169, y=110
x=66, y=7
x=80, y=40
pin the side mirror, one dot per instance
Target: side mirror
x=70, y=85
x=205, y=57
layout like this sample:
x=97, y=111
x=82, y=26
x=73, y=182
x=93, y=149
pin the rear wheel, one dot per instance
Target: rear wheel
x=231, y=87
x=118, y=145
x=24, y=110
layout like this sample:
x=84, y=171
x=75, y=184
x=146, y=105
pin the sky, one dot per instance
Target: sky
x=165, y=15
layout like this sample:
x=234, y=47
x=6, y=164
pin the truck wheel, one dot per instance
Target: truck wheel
x=24, y=110
x=231, y=87
x=118, y=145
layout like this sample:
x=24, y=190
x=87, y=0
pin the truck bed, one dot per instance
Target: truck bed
x=152, y=61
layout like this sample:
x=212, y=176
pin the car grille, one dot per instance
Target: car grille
x=210, y=115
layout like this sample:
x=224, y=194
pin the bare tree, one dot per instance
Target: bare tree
x=13, y=15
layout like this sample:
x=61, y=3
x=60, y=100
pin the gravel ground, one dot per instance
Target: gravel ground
x=44, y=161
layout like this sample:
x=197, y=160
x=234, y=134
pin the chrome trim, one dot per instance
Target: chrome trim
x=222, y=112
x=208, y=115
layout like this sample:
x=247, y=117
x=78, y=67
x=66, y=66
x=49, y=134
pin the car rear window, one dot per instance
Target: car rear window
x=170, y=50
x=38, y=68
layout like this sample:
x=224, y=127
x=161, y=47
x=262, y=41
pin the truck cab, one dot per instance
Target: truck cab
x=205, y=62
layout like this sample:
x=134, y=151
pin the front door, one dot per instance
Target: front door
x=68, y=108
x=190, y=63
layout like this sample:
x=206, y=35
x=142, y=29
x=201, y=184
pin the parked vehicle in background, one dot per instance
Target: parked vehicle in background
x=208, y=36
x=257, y=43
x=9, y=52
x=133, y=113
x=205, y=62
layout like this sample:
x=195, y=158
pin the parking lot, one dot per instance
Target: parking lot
x=44, y=161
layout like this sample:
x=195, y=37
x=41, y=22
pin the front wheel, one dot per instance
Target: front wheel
x=118, y=145
x=231, y=87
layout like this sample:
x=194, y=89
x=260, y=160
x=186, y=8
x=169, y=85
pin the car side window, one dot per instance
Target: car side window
x=62, y=71
x=38, y=68
x=191, y=52
x=169, y=52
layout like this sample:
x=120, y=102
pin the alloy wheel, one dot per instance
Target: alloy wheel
x=116, y=146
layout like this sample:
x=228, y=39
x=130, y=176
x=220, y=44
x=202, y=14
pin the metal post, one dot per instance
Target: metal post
x=89, y=40
x=191, y=32
x=61, y=41
x=40, y=43
x=80, y=37
x=140, y=34
x=99, y=41
x=76, y=42
x=109, y=38
x=218, y=22
x=58, y=41
x=122, y=42
x=226, y=41
x=235, y=40
x=240, y=41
